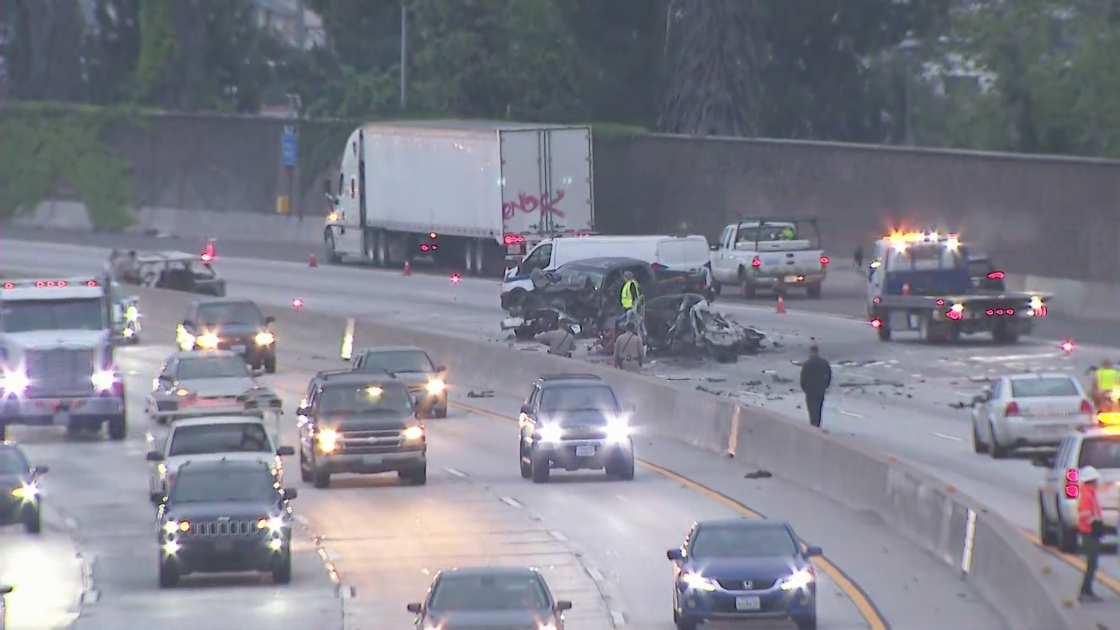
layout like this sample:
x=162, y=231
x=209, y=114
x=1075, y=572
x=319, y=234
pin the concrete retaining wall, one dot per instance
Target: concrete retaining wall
x=1005, y=569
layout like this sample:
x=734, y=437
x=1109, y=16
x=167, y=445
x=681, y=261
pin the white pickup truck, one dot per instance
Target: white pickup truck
x=771, y=255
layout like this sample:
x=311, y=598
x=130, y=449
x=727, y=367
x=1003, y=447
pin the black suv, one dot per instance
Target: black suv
x=350, y=422
x=224, y=517
x=20, y=497
x=574, y=422
x=230, y=324
x=425, y=380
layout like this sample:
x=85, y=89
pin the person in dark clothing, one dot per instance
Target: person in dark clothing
x=857, y=257
x=816, y=376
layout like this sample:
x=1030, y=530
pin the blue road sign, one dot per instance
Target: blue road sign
x=290, y=146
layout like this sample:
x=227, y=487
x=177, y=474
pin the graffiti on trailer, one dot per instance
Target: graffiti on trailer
x=527, y=204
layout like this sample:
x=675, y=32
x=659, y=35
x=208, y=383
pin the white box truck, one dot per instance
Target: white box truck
x=467, y=194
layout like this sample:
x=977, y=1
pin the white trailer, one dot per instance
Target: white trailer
x=467, y=194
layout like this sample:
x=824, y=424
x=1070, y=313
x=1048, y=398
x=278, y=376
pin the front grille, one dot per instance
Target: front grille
x=740, y=585
x=59, y=372
x=223, y=528
x=370, y=442
x=585, y=434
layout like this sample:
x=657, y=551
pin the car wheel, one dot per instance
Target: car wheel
x=33, y=519
x=539, y=468
x=1046, y=534
x=441, y=412
x=997, y=451
x=304, y=471
x=414, y=476
x=117, y=428
x=321, y=479
x=526, y=466
x=978, y=445
x=1067, y=536
x=682, y=623
x=746, y=289
x=806, y=623
x=328, y=244
x=524, y=334
x=168, y=575
x=282, y=572
x=270, y=364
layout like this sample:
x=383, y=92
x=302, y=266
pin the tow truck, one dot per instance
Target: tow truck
x=921, y=281
x=56, y=356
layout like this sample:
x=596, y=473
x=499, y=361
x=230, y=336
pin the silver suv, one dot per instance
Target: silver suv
x=1057, y=496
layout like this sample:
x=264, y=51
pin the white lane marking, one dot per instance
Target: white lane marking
x=347, y=592
x=327, y=555
x=596, y=574
x=510, y=501
x=618, y=618
x=559, y=536
x=458, y=473
x=948, y=437
x=1014, y=357
x=851, y=414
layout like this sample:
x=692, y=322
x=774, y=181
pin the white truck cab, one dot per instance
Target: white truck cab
x=770, y=254
x=56, y=352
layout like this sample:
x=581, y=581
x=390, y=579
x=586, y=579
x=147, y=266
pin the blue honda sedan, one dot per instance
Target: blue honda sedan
x=742, y=570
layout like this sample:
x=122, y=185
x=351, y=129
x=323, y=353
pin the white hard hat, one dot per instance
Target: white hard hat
x=1089, y=474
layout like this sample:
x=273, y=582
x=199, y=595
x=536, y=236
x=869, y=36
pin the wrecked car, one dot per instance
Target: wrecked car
x=681, y=324
x=587, y=292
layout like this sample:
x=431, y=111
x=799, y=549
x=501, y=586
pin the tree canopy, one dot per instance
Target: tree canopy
x=1040, y=76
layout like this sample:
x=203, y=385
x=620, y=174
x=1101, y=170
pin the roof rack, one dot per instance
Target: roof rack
x=570, y=376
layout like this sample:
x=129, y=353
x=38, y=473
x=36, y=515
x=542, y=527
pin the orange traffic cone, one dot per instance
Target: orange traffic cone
x=781, y=304
x=407, y=268
x=312, y=262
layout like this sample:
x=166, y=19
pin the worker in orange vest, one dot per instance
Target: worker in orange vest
x=1090, y=525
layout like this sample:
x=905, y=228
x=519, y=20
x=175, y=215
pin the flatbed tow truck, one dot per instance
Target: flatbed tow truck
x=921, y=281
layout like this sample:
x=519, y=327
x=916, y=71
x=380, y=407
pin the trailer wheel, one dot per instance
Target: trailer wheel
x=884, y=332
x=328, y=245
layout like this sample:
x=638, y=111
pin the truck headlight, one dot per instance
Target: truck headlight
x=413, y=433
x=798, y=580
x=103, y=380
x=265, y=338
x=436, y=386
x=328, y=440
x=207, y=341
x=551, y=433
x=14, y=382
x=274, y=524
x=175, y=527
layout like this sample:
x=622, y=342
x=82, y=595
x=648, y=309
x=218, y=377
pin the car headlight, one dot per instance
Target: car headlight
x=436, y=386
x=698, y=582
x=103, y=380
x=265, y=338
x=551, y=433
x=128, y=332
x=174, y=527
x=618, y=430
x=208, y=341
x=328, y=440
x=798, y=580
x=26, y=492
x=413, y=433
x=274, y=524
x=14, y=382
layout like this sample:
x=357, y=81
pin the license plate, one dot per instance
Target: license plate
x=237, y=349
x=223, y=545
x=585, y=451
x=372, y=460
x=791, y=279
x=748, y=602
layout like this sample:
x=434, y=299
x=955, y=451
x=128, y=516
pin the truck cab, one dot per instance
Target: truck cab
x=56, y=352
x=770, y=255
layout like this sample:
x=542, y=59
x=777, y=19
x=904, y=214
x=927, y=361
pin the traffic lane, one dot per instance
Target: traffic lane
x=635, y=522
x=45, y=569
x=101, y=488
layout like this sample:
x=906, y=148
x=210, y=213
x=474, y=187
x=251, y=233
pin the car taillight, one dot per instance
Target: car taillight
x=824, y=260
x=876, y=323
x=995, y=275
x=657, y=266
x=1086, y=407
x=1072, y=478
x=1012, y=409
x=756, y=262
x=1072, y=491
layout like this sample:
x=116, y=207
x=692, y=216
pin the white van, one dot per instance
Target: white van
x=669, y=255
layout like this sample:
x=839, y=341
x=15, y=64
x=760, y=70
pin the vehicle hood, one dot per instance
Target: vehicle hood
x=234, y=330
x=766, y=568
x=368, y=422
x=486, y=620
x=173, y=463
x=415, y=378
x=239, y=510
x=218, y=386
x=579, y=419
x=49, y=339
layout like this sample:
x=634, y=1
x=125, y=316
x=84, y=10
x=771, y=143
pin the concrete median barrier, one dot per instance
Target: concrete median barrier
x=993, y=556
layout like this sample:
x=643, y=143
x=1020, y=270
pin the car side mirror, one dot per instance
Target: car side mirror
x=154, y=456
x=674, y=554
x=1043, y=461
x=415, y=607
x=285, y=451
x=527, y=410
x=563, y=605
x=270, y=320
x=303, y=411
x=441, y=368
x=291, y=493
x=813, y=551
x=40, y=470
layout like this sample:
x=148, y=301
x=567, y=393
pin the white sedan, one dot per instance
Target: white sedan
x=204, y=382
x=1029, y=410
x=4, y=590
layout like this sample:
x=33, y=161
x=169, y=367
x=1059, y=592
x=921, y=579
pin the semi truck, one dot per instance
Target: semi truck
x=57, y=364
x=469, y=195
x=923, y=281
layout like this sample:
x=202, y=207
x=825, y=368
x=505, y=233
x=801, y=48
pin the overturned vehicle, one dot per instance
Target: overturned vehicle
x=682, y=323
x=584, y=294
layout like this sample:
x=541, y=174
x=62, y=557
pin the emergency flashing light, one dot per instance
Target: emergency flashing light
x=91, y=283
x=876, y=323
x=432, y=235
x=455, y=278
x=756, y=262
x=824, y=260
x=297, y=303
x=206, y=258
x=1067, y=347
x=9, y=285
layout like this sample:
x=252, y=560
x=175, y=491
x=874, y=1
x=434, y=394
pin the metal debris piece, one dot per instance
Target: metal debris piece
x=486, y=393
x=759, y=474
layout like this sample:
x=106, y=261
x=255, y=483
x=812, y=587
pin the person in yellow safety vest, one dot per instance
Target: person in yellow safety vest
x=630, y=290
x=788, y=233
x=1103, y=382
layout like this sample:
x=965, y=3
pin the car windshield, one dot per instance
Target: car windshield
x=489, y=592
x=578, y=398
x=19, y=316
x=206, y=486
x=576, y=275
x=357, y=399
x=742, y=542
x=243, y=437
x=1041, y=387
x=12, y=462
x=212, y=367
x=397, y=361
x=217, y=313
x=1102, y=453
